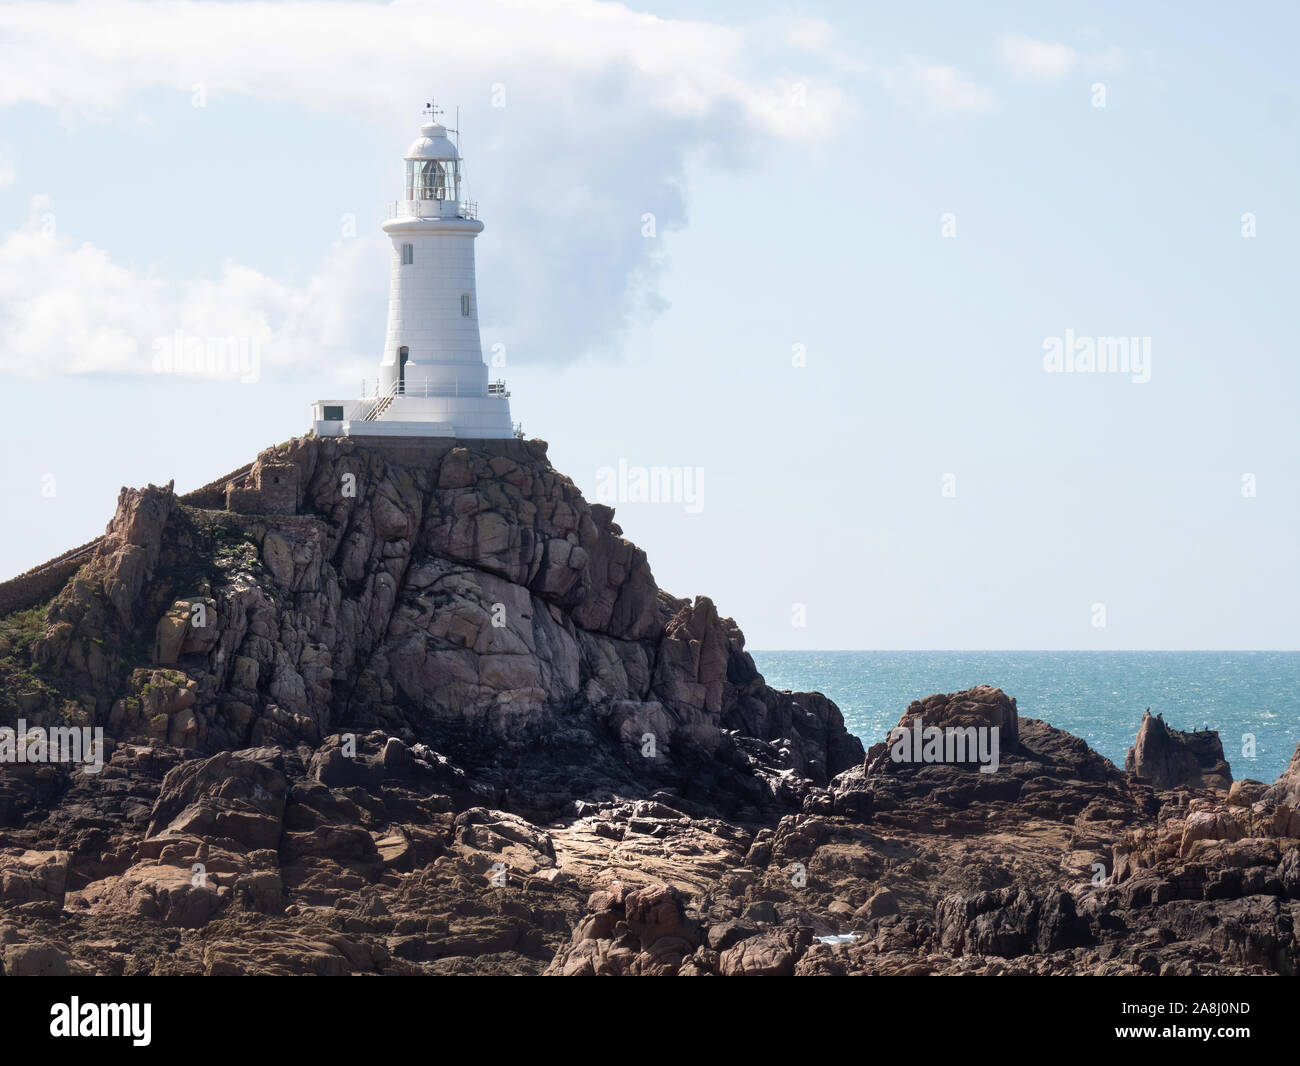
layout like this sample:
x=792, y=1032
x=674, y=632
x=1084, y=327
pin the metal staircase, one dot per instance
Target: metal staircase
x=382, y=402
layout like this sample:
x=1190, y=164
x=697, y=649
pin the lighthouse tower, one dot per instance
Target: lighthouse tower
x=432, y=380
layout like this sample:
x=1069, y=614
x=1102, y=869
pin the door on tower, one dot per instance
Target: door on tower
x=403, y=354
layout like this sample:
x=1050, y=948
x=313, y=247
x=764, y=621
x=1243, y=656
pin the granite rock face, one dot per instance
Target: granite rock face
x=1286, y=790
x=441, y=720
x=367, y=855
x=466, y=596
x=974, y=715
x=1167, y=758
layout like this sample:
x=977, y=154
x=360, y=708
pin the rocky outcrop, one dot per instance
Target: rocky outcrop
x=1286, y=789
x=629, y=931
x=363, y=854
x=438, y=718
x=1283, y=799
x=460, y=595
x=1169, y=758
x=983, y=709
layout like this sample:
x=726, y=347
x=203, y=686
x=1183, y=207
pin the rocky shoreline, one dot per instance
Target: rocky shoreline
x=426, y=711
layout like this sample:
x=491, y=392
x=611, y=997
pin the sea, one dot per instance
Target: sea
x=1252, y=698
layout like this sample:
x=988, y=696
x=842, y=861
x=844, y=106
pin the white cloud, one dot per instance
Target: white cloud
x=1050, y=61
x=936, y=89
x=820, y=38
x=1113, y=58
x=360, y=58
x=8, y=175
x=1043, y=60
x=67, y=308
x=603, y=108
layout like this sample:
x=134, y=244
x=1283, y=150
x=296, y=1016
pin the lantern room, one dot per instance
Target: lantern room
x=433, y=166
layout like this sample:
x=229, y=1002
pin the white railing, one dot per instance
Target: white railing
x=433, y=209
x=496, y=390
x=381, y=402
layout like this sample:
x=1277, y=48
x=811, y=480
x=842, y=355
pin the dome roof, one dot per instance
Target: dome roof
x=433, y=143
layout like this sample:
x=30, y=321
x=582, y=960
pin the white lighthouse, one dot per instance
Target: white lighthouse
x=432, y=380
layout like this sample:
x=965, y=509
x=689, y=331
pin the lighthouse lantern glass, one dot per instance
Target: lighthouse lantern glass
x=433, y=179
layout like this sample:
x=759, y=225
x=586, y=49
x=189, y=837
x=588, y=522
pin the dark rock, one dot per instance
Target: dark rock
x=1168, y=758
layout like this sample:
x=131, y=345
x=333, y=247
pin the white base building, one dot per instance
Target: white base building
x=432, y=379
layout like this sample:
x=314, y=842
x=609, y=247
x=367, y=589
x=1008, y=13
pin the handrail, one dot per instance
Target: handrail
x=377, y=408
x=412, y=209
x=496, y=390
x=370, y=408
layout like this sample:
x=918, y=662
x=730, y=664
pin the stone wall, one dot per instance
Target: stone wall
x=27, y=590
x=271, y=488
x=212, y=496
x=41, y=583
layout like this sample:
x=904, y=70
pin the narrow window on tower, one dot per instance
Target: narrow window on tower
x=466, y=304
x=408, y=254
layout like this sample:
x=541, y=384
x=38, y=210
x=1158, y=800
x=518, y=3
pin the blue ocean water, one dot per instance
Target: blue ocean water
x=1099, y=696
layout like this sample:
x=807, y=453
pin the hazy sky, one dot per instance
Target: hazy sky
x=870, y=225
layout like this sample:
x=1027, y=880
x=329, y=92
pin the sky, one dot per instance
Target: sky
x=821, y=266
